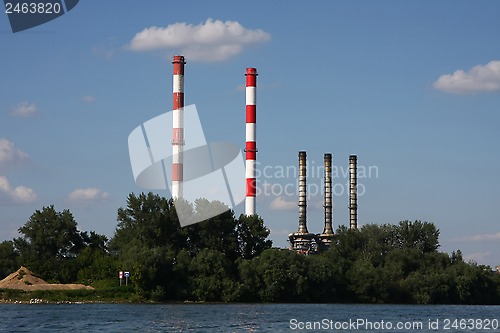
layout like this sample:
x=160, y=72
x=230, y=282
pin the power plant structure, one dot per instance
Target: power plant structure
x=353, y=193
x=178, y=128
x=251, y=144
x=303, y=241
x=178, y=133
x=326, y=238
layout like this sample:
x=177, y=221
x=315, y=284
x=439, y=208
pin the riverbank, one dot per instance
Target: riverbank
x=111, y=295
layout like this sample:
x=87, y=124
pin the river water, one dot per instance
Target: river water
x=247, y=318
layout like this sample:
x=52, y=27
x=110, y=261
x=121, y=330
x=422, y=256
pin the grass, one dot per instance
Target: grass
x=106, y=295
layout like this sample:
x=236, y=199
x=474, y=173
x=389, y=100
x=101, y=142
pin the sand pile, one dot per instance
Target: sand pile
x=25, y=280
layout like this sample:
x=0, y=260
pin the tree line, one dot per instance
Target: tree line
x=230, y=259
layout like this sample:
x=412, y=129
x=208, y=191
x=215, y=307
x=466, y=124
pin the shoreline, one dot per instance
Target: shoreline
x=151, y=302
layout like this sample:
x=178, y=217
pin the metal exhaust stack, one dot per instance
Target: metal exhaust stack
x=302, y=241
x=302, y=193
x=328, y=195
x=178, y=127
x=353, y=195
x=251, y=145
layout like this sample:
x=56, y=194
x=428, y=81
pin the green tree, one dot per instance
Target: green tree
x=432, y=287
x=148, y=220
x=151, y=244
x=420, y=235
x=362, y=279
x=376, y=241
x=496, y=294
x=146, y=241
x=473, y=284
x=324, y=279
x=217, y=233
x=252, y=236
x=347, y=243
x=9, y=258
x=95, y=262
x=50, y=243
x=95, y=241
x=276, y=275
x=211, y=277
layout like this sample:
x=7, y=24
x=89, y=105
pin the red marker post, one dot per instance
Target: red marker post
x=121, y=277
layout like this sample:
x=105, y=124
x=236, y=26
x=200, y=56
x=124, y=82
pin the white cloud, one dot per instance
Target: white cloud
x=24, y=109
x=477, y=257
x=103, y=52
x=480, y=78
x=23, y=194
x=87, y=195
x=4, y=184
x=9, y=154
x=479, y=238
x=280, y=203
x=19, y=194
x=88, y=99
x=207, y=42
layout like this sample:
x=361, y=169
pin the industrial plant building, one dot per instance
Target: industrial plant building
x=305, y=242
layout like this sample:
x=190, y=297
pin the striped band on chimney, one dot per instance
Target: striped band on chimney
x=251, y=145
x=178, y=127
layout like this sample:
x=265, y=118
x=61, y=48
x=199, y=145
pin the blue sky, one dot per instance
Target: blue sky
x=412, y=88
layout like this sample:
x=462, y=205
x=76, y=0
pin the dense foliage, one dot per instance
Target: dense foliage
x=199, y=261
x=230, y=259
x=53, y=247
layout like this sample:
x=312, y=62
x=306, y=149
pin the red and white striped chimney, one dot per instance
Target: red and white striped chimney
x=251, y=145
x=178, y=127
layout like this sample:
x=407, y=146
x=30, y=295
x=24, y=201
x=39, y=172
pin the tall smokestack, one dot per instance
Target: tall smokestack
x=302, y=193
x=353, y=195
x=328, y=195
x=178, y=127
x=251, y=144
